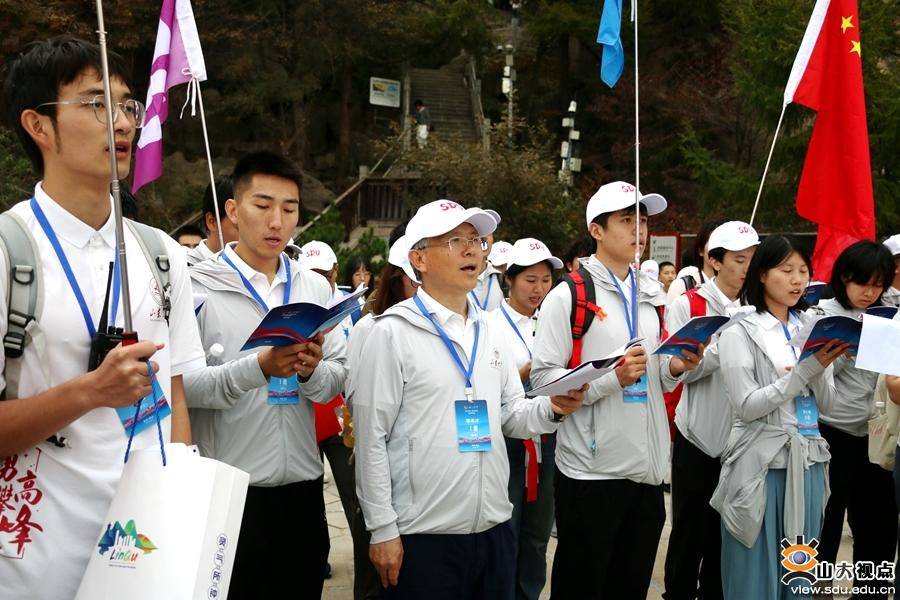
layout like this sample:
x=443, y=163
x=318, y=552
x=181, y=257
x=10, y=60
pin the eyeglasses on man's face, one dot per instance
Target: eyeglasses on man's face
x=133, y=110
x=461, y=244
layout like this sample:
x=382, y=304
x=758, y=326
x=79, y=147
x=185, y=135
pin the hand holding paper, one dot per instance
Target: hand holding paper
x=583, y=373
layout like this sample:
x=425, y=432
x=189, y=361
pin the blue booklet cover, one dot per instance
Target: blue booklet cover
x=695, y=332
x=299, y=322
x=885, y=312
x=813, y=292
x=845, y=329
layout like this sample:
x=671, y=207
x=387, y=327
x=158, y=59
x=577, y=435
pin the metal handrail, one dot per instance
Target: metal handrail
x=475, y=94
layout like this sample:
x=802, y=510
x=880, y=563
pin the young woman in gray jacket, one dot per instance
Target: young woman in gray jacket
x=772, y=484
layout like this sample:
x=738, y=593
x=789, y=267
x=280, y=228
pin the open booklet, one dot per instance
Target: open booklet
x=699, y=330
x=816, y=334
x=813, y=292
x=583, y=373
x=299, y=322
x=878, y=346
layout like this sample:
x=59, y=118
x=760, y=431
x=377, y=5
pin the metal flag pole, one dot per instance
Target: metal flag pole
x=637, y=166
x=114, y=171
x=212, y=177
x=766, y=169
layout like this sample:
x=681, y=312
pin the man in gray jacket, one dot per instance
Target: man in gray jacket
x=253, y=409
x=612, y=454
x=703, y=421
x=431, y=406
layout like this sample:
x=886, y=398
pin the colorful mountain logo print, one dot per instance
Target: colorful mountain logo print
x=124, y=544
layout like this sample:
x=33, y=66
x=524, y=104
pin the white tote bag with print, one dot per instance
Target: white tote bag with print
x=171, y=531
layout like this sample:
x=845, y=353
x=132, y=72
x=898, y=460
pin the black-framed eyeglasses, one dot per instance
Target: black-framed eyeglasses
x=133, y=110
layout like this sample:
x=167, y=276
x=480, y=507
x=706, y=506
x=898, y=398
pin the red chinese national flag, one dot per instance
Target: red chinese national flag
x=836, y=185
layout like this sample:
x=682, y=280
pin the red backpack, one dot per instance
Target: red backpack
x=584, y=309
x=698, y=309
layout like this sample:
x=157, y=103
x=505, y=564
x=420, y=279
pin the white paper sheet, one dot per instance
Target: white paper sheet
x=879, y=346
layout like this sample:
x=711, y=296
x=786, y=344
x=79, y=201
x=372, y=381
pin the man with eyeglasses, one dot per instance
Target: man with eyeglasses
x=54, y=494
x=438, y=391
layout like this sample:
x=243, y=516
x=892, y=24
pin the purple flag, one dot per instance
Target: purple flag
x=177, y=59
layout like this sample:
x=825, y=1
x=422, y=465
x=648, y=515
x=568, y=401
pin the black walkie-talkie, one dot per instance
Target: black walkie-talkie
x=107, y=337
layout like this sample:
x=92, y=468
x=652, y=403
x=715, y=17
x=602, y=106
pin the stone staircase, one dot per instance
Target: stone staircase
x=447, y=97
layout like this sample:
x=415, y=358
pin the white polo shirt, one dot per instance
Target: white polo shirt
x=53, y=500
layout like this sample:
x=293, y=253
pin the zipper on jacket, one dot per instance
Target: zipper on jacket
x=593, y=432
x=412, y=487
x=478, y=498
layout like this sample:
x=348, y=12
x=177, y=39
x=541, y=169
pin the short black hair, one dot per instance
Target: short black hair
x=583, y=245
x=187, y=230
x=224, y=191
x=352, y=265
x=264, y=162
x=418, y=103
x=773, y=251
x=603, y=219
x=665, y=264
x=717, y=254
x=860, y=263
x=702, y=237
x=36, y=75
x=397, y=232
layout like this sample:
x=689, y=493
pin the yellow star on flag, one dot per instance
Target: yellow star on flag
x=846, y=23
x=856, y=47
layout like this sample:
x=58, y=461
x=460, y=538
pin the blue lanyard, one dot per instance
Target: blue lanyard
x=67, y=269
x=487, y=296
x=630, y=312
x=287, y=284
x=516, y=329
x=787, y=334
x=467, y=373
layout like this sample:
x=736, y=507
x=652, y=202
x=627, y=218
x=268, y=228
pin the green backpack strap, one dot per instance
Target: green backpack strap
x=154, y=250
x=24, y=300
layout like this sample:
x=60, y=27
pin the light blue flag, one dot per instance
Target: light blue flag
x=613, y=61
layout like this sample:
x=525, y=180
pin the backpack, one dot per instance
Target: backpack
x=25, y=280
x=584, y=309
x=698, y=309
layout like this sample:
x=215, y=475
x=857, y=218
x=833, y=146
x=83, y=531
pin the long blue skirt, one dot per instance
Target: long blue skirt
x=755, y=573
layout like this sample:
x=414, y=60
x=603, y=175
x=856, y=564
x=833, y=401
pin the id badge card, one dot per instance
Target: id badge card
x=284, y=390
x=473, y=428
x=636, y=392
x=807, y=415
x=153, y=404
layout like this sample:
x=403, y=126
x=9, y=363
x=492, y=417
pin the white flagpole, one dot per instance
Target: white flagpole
x=637, y=167
x=212, y=177
x=768, y=161
x=114, y=170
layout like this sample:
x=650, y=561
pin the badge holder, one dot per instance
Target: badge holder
x=473, y=426
x=807, y=412
x=284, y=391
x=636, y=393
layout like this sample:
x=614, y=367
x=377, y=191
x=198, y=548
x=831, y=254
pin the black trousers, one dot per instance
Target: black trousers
x=608, y=532
x=695, y=544
x=865, y=492
x=283, y=544
x=474, y=566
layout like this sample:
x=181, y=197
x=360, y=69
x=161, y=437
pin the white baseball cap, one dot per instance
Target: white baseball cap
x=437, y=218
x=651, y=268
x=500, y=252
x=529, y=251
x=494, y=214
x=317, y=255
x=399, y=257
x=618, y=195
x=734, y=236
x=893, y=244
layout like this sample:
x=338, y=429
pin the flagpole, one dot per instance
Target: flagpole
x=637, y=165
x=768, y=161
x=114, y=170
x=212, y=177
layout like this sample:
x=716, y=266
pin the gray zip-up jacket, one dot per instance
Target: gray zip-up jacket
x=607, y=438
x=231, y=418
x=758, y=437
x=855, y=400
x=410, y=475
x=703, y=415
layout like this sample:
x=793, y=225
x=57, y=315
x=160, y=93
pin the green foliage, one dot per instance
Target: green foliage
x=330, y=230
x=17, y=182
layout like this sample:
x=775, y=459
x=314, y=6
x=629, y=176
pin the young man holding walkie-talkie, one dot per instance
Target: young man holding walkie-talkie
x=61, y=441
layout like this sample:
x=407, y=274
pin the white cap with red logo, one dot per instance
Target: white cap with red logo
x=618, y=195
x=734, y=236
x=893, y=244
x=317, y=255
x=500, y=253
x=530, y=251
x=441, y=216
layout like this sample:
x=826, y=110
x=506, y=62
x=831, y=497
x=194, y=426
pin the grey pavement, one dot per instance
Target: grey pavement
x=340, y=586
